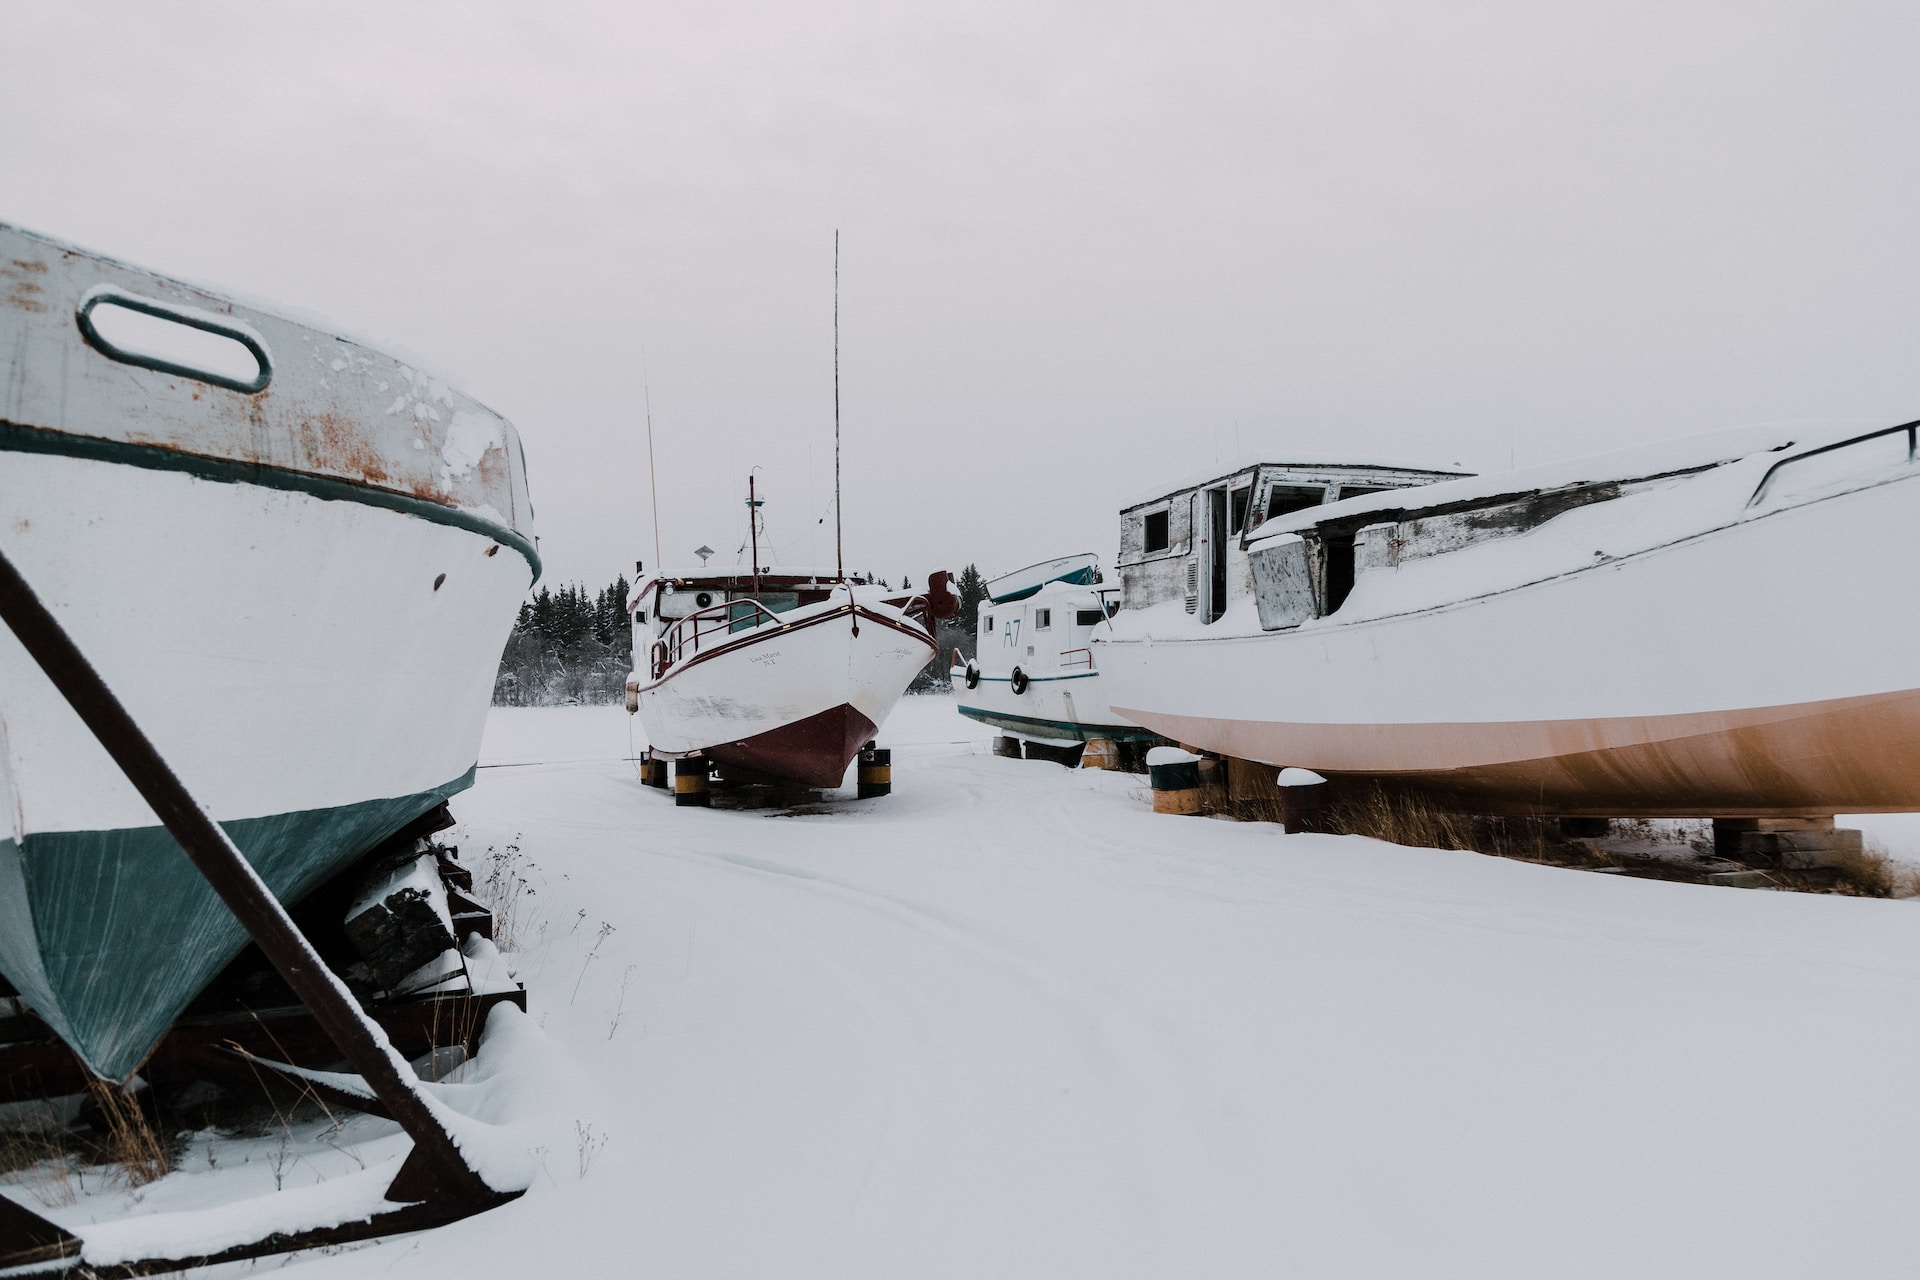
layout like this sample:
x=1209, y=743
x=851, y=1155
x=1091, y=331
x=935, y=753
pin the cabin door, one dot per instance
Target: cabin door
x=1214, y=555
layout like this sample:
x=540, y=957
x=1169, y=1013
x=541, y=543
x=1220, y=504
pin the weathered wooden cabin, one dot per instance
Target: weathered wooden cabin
x=1189, y=541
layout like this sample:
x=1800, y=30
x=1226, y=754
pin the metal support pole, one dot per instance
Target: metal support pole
x=435, y=1169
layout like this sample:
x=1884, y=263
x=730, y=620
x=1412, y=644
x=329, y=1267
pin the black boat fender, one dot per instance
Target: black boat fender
x=1019, y=680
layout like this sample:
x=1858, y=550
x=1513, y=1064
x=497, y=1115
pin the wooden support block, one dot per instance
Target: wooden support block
x=1796, y=843
x=400, y=920
x=1185, y=801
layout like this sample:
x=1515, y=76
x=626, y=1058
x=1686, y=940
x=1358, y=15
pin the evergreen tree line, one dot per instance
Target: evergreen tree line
x=570, y=645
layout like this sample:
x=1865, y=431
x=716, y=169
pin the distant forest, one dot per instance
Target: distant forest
x=574, y=645
x=567, y=646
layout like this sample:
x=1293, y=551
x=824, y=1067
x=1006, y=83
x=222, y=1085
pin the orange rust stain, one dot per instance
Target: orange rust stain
x=339, y=446
x=24, y=294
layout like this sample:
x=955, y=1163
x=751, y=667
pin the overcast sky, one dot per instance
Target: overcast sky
x=1083, y=247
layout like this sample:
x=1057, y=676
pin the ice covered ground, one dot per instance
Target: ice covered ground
x=1008, y=1022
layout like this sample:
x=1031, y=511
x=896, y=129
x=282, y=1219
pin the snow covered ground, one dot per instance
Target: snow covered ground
x=1008, y=1022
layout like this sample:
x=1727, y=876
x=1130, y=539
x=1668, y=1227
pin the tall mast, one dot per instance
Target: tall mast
x=839, y=555
x=653, y=473
x=753, y=533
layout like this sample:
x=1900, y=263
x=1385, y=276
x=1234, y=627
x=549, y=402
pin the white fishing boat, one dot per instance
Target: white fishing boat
x=776, y=674
x=294, y=558
x=784, y=674
x=1034, y=674
x=1715, y=627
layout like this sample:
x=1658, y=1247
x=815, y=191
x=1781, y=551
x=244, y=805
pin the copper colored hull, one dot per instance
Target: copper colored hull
x=1848, y=755
x=814, y=752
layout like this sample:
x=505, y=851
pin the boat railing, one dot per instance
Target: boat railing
x=920, y=609
x=709, y=627
x=1075, y=659
x=1910, y=429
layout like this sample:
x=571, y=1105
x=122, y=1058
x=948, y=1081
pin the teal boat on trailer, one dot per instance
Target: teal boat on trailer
x=294, y=558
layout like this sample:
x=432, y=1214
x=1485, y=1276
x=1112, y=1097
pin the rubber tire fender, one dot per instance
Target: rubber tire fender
x=1019, y=681
x=973, y=674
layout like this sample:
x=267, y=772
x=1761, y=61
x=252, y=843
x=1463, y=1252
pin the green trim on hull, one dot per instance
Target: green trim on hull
x=23, y=439
x=1061, y=728
x=108, y=935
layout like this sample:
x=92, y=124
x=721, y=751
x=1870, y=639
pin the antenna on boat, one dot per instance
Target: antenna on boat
x=839, y=551
x=753, y=530
x=839, y=556
x=653, y=472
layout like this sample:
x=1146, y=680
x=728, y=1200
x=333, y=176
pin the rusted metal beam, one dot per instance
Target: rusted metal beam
x=435, y=1169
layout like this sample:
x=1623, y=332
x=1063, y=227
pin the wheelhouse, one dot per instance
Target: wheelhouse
x=1189, y=543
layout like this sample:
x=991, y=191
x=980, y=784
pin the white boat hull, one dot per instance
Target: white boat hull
x=1760, y=668
x=795, y=699
x=287, y=655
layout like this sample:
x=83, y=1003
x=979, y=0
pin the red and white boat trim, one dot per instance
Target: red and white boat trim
x=791, y=693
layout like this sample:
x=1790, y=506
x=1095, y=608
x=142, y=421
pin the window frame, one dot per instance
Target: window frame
x=1165, y=518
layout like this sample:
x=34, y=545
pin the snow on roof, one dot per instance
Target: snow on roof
x=1668, y=456
x=1247, y=461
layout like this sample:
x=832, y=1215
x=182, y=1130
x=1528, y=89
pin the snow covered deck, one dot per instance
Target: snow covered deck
x=1007, y=1022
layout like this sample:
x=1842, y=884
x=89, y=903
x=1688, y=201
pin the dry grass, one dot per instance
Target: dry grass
x=116, y=1139
x=1409, y=818
x=503, y=888
x=130, y=1142
x=40, y=1160
x=1871, y=873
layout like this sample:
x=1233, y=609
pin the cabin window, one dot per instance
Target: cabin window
x=1154, y=532
x=986, y=628
x=1088, y=617
x=1042, y=619
x=1361, y=490
x=1285, y=499
x=1237, y=513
